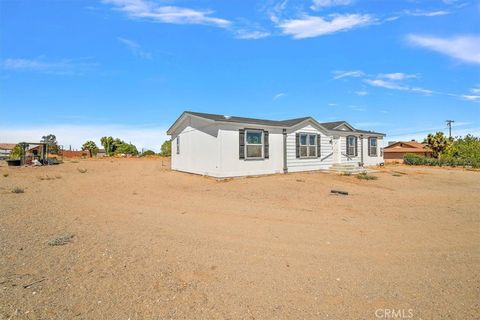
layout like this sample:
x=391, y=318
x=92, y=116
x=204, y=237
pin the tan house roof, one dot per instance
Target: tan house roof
x=407, y=147
x=7, y=146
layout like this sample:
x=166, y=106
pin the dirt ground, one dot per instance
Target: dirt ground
x=150, y=243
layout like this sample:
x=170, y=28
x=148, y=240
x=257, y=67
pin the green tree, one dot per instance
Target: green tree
x=121, y=147
x=464, y=148
x=166, y=149
x=17, y=152
x=107, y=143
x=148, y=153
x=51, y=141
x=438, y=143
x=91, y=147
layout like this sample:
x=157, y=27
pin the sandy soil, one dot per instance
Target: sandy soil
x=150, y=243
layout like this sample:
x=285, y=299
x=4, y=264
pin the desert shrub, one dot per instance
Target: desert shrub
x=365, y=176
x=5, y=174
x=148, y=153
x=18, y=190
x=61, y=240
x=17, y=152
x=413, y=159
x=82, y=170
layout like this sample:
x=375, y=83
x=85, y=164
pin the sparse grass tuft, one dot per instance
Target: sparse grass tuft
x=58, y=176
x=61, y=239
x=45, y=178
x=396, y=175
x=347, y=174
x=366, y=176
x=5, y=174
x=18, y=190
x=74, y=161
x=82, y=170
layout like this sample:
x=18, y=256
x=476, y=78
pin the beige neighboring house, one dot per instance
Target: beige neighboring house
x=6, y=149
x=395, y=151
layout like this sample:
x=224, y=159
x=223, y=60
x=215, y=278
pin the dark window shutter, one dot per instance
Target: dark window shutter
x=346, y=145
x=297, y=145
x=319, y=142
x=241, y=143
x=265, y=145
x=369, y=151
x=356, y=146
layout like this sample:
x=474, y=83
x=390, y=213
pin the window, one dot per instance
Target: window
x=178, y=145
x=351, y=146
x=372, y=147
x=254, y=144
x=308, y=145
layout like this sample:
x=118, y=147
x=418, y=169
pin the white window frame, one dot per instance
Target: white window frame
x=254, y=144
x=370, y=147
x=178, y=144
x=351, y=146
x=308, y=145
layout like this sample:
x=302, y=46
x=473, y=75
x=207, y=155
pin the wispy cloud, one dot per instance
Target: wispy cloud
x=59, y=67
x=339, y=74
x=315, y=26
x=135, y=48
x=319, y=4
x=150, y=137
x=423, y=13
x=473, y=95
x=396, y=86
x=463, y=48
x=142, y=9
x=251, y=34
x=361, y=93
x=396, y=76
x=357, y=108
x=397, y=81
x=279, y=95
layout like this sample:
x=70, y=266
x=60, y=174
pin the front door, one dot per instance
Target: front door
x=336, y=150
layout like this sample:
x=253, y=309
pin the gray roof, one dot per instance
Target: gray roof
x=274, y=123
x=332, y=125
x=224, y=118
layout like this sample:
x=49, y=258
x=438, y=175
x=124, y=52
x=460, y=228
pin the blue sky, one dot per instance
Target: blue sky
x=128, y=68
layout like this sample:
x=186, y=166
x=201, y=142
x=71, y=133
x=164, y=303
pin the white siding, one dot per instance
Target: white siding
x=301, y=164
x=230, y=163
x=372, y=161
x=343, y=149
x=198, y=147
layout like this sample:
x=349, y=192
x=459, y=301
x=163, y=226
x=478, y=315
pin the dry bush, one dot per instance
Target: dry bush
x=5, y=174
x=366, y=176
x=18, y=190
x=61, y=239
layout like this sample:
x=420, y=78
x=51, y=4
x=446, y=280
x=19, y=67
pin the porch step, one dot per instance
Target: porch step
x=351, y=168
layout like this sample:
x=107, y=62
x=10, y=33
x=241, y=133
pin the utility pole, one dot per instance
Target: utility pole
x=449, y=124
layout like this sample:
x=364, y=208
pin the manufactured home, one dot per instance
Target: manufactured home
x=227, y=146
